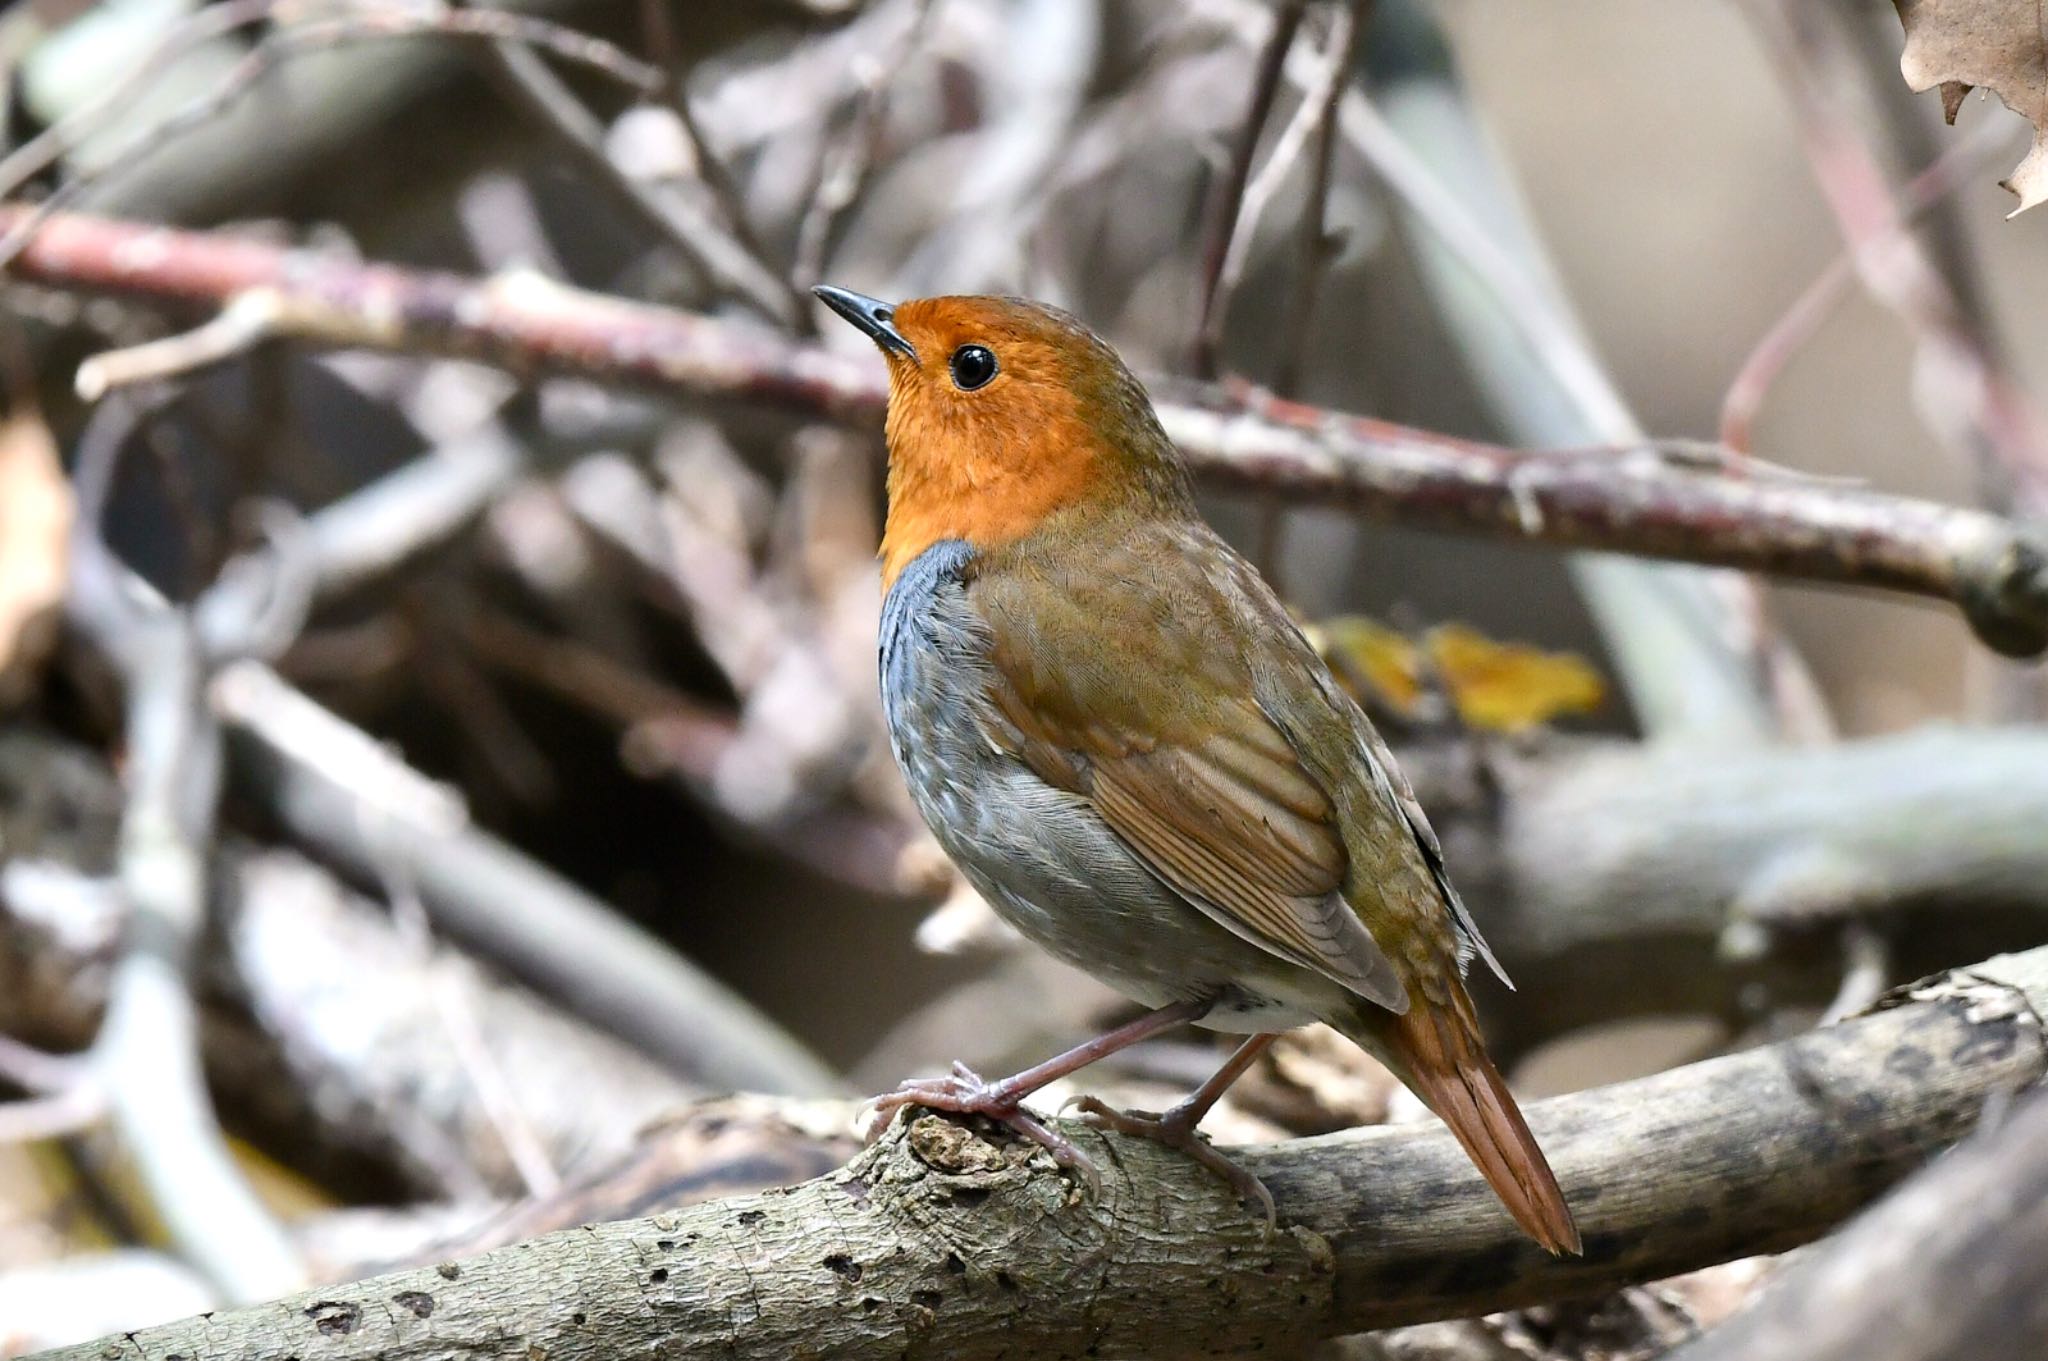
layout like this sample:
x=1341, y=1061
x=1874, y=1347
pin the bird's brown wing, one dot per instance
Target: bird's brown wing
x=1183, y=765
x=1382, y=766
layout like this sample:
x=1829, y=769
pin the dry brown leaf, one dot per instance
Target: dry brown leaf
x=2001, y=45
x=35, y=529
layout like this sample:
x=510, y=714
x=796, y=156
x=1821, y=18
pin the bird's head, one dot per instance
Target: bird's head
x=1003, y=415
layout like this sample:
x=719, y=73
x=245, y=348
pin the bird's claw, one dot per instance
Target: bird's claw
x=964, y=1092
x=1176, y=1129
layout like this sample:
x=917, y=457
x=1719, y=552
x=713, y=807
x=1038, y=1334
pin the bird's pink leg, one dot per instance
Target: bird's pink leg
x=964, y=1092
x=1176, y=1128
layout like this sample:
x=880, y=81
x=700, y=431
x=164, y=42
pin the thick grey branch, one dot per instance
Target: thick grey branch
x=1665, y=841
x=937, y=1243
x=1949, y=1265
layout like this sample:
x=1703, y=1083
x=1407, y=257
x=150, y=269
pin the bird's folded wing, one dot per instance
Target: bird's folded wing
x=1225, y=815
x=1383, y=768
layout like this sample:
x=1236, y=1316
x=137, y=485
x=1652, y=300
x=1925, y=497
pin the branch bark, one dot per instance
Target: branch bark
x=938, y=1242
x=1634, y=501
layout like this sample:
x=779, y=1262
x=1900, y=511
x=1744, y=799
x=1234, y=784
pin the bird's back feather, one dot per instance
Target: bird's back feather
x=1163, y=732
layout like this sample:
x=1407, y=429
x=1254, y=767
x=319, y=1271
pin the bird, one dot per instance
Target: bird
x=1117, y=732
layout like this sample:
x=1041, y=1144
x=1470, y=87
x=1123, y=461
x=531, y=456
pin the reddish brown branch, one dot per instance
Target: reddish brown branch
x=1630, y=501
x=1643, y=501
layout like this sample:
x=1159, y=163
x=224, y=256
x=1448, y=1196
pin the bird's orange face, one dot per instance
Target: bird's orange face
x=1002, y=413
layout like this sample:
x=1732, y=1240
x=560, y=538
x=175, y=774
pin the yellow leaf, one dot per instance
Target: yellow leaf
x=1510, y=686
x=1503, y=687
x=1379, y=665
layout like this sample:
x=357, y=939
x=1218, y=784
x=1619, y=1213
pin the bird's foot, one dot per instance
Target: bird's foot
x=1176, y=1129
x=965, y=1092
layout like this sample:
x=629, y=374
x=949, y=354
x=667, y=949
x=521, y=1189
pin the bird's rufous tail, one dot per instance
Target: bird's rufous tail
x=1437, y=1051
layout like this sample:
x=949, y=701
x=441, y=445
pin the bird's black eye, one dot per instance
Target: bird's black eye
x=973, y=366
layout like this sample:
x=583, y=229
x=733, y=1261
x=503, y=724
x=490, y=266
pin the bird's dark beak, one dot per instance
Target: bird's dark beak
x=871, y=315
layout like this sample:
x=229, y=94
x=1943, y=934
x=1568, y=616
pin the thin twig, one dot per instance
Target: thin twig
x=1817, y=301
x=64, y=1099
x=58, y=140
x=717, y=177
x=1866, y=972
x=412, y=509
x=32, y=1070
x=848, y=159
x=457, y=1012
x=1321, y=87
x=1965, y=396
x=674, y=216
x=1228, y=204
x=59, y=1115
x=146, y=1058
x=244, y=322
x=843, y=164
x=1316, y=245
x=1313, y=252
x=320, y=34
x=590, y=679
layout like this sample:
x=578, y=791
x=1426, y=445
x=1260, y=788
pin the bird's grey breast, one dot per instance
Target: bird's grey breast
x=1043, y=857
x=1040, y=855
x=933, y=652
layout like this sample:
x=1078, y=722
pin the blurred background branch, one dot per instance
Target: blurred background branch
x=1686, y=502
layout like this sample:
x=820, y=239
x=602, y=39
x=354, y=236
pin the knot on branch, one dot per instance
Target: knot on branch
x=947, y=1146
x=2002, y=586
x=955, y=1229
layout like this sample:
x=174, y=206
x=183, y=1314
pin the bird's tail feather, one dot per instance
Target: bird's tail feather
x=1438, y=1052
